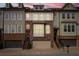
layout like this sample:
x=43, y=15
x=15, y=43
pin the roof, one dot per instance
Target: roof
x=48, y=5
x=45, y=8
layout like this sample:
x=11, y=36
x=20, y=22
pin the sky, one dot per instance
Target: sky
x=48, y=5
x=56, y=5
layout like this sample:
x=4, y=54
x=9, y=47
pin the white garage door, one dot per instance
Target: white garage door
x=41, y=44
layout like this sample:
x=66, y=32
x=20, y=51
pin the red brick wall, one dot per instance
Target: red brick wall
x=14, y=36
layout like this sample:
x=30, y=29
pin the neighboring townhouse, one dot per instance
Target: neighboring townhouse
x=68, y=31
x=14, y=25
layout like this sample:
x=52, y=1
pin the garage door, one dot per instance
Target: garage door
x=68, y=42
x=41, y=44
x=13, y=44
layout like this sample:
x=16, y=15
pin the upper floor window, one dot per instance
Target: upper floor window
x=19, y=16
x=68, y=16
x=65, y=28
x=69, y=28
x=6, y=16
x=35, y=17
x=13, y=16
x=63, y=16
x=48, y=16
x=41, y=17
x=73, y=27
x=28, y=16
x=73, y=16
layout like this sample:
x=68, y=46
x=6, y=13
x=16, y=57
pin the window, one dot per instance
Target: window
x=13, y=28
x=35, y=16
x=73, y=16
x=27, y=26
x=36, y=7
x=10, y=28
x=65, y=28
x=27, y=16
x=19, y=28
x=13, y=16
x=41, y=16
x=63, y=16
x=68, y=16
x=69, y=27
x=6, y=28
x=38, y=30
x=19, y=16
x=47, y=29
x=6, y=16
x=47, y=16
x=73, y=28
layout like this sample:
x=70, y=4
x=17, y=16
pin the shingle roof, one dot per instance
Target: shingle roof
x=47, y=5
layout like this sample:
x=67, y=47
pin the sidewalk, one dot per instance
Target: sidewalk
x=39, y=52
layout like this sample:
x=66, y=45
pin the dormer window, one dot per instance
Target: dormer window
x=21, y=5
x=7, y=5
x=37, y=7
